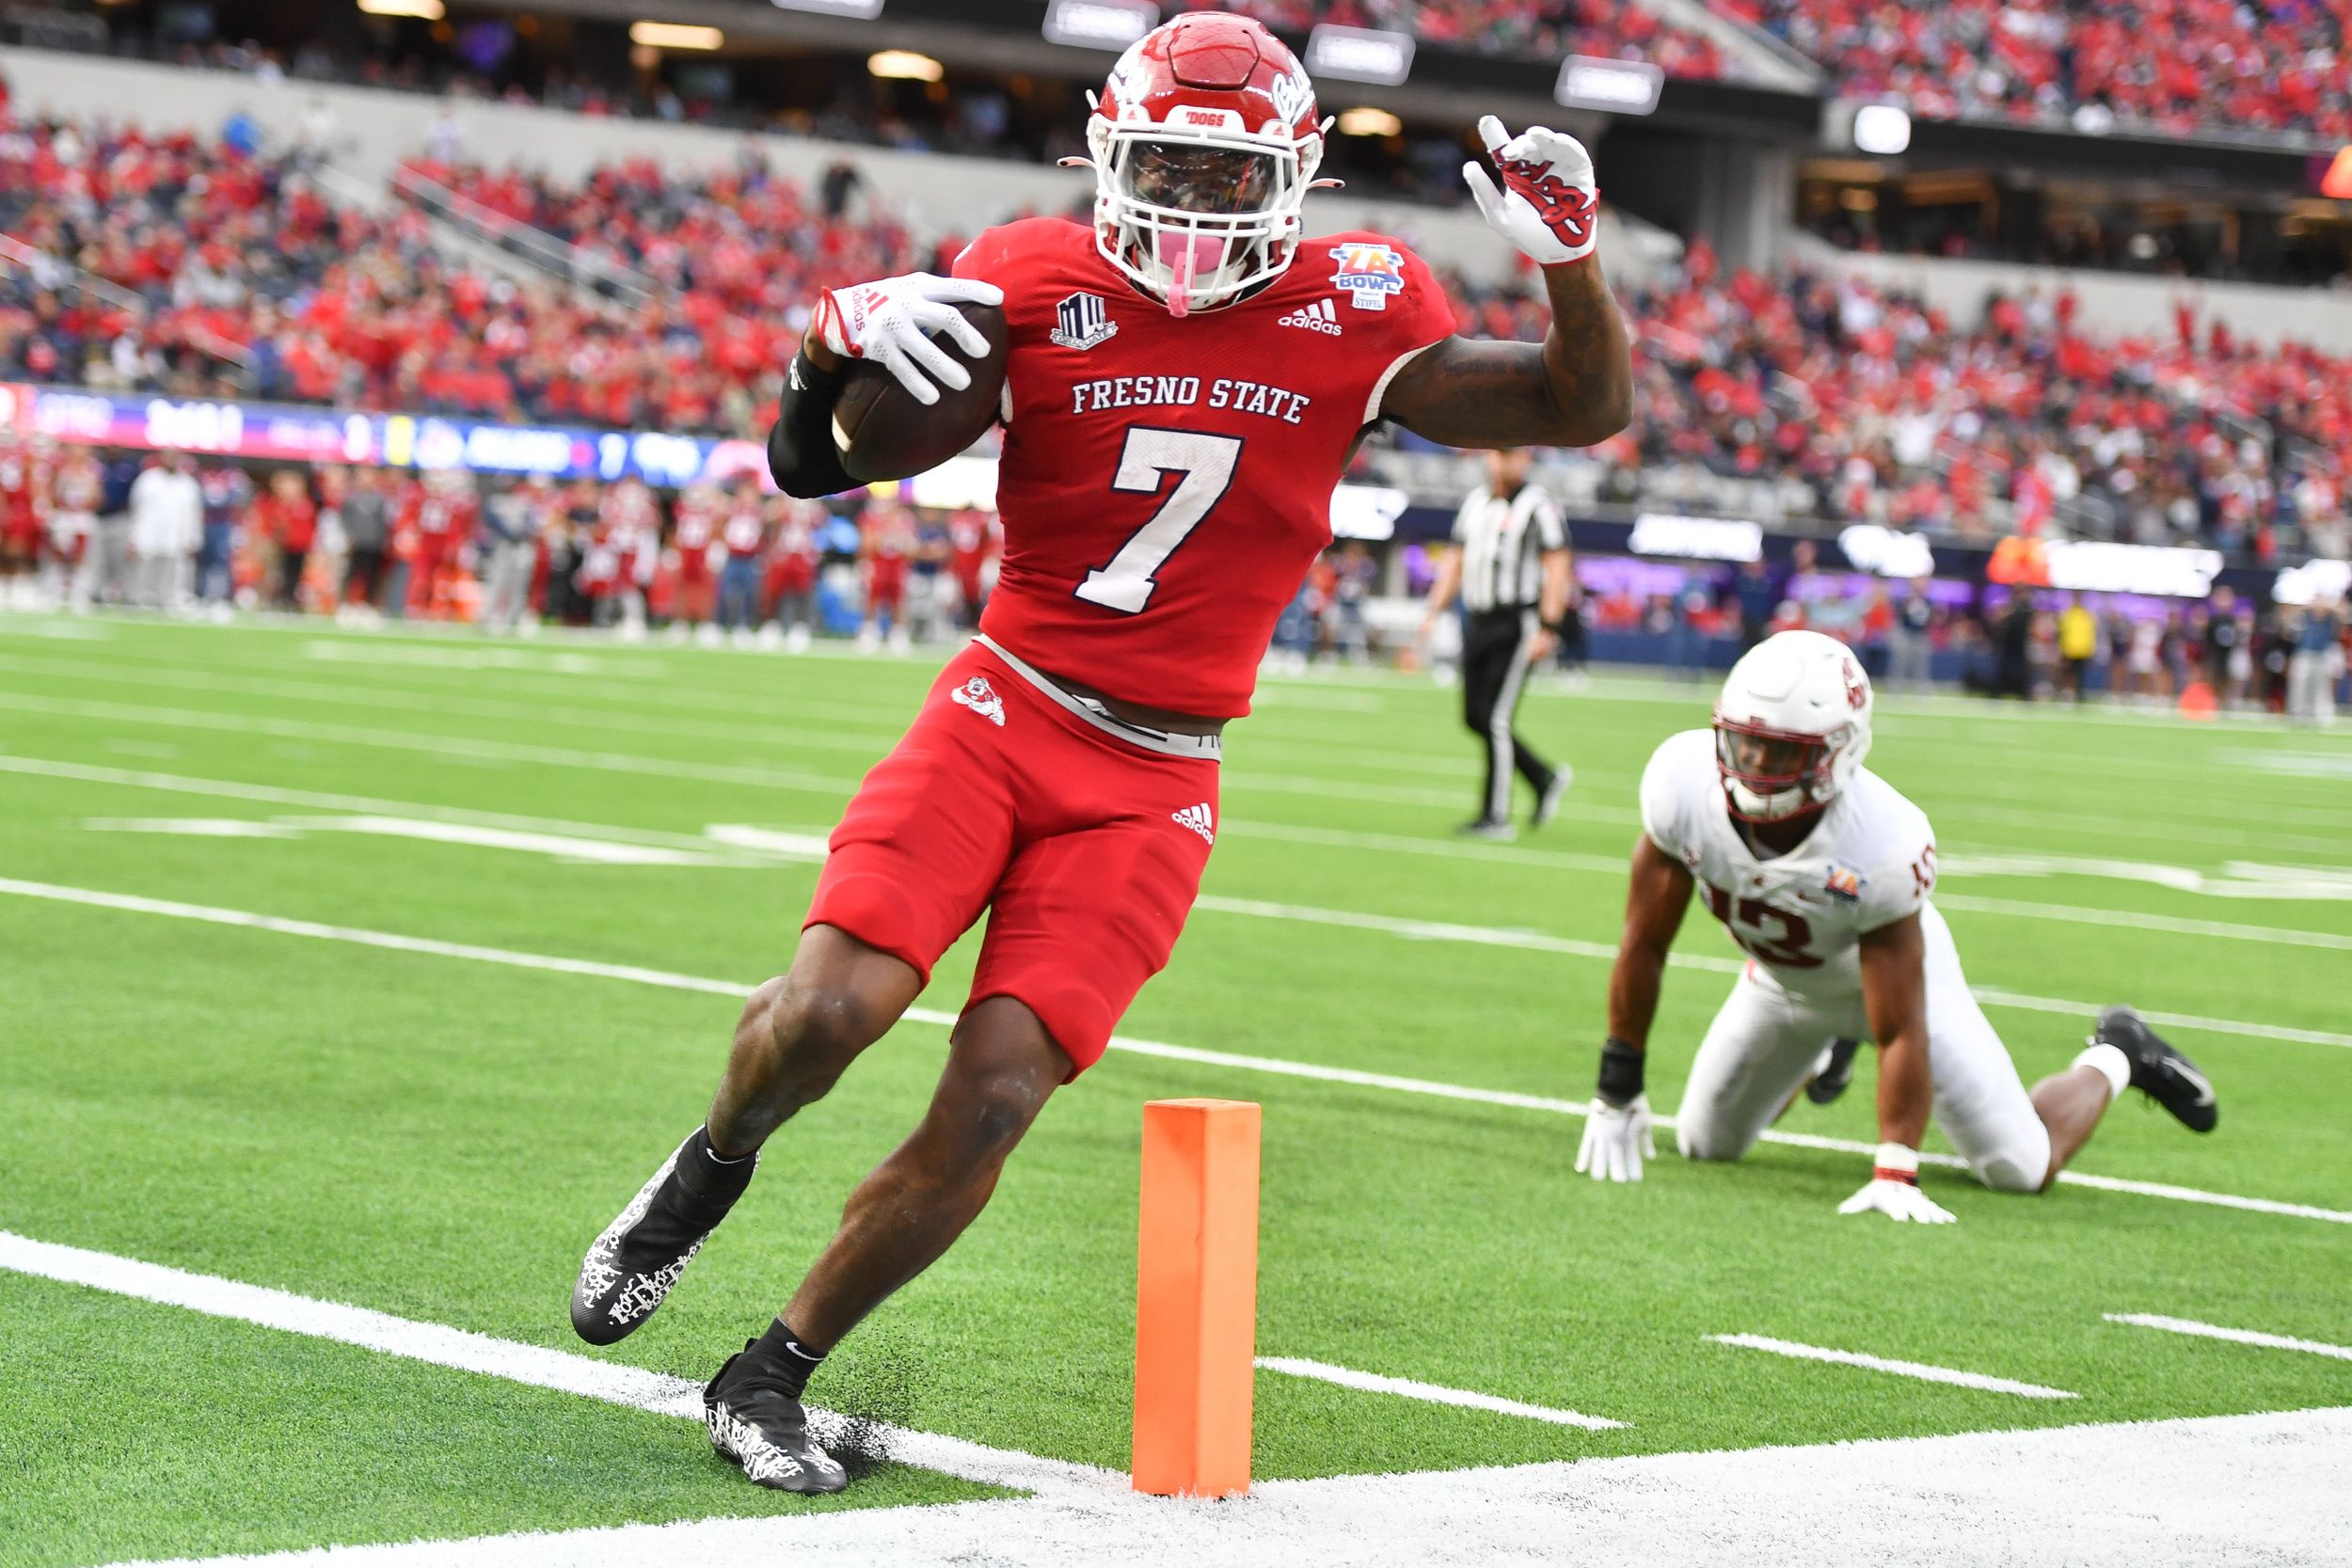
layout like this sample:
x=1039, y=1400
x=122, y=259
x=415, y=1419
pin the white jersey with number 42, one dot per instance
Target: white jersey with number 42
x=1868, y=862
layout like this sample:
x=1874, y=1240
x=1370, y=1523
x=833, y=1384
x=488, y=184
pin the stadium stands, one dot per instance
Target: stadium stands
x=1538, y=26
x=1844, y=400
x=2172, y=66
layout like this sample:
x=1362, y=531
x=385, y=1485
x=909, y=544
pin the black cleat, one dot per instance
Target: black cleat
x=762, y=1428
x=631, y=1267
x=1835, y=1072
x=2158, y=1068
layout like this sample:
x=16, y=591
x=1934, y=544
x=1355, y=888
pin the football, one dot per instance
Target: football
x=884, y=434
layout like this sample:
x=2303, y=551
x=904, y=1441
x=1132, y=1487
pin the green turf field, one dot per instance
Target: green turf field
x=436, y=1137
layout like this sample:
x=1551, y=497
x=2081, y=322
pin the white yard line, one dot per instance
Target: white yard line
x=1430, y=1393
x=136, y=904
x=2235, y=1336
x=2074, y=915
x=535, y=1365
x=176, y=783
x=432, y=745
x=804, y=845
x=1536, y=941
x=1919, y=1369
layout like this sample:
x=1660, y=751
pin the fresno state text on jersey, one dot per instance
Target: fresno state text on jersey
x=1166, y=482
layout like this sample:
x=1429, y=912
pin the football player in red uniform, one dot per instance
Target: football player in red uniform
x=1187, y=378
x=694, y=529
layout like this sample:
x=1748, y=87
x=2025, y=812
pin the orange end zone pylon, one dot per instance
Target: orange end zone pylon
x=1196, y=1297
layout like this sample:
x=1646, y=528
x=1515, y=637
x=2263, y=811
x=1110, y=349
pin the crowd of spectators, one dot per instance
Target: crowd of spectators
x=1540, y=29
x=2174, y=66
x=228, y=272
x=163, y=532
x=2233, y=67
x=1862, y=405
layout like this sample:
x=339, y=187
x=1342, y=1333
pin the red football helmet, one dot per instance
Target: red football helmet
x=1205, y=142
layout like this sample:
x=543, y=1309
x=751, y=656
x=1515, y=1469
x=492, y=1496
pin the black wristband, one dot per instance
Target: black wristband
x=1620, y=1072
x=801, y=451
x=812, y=380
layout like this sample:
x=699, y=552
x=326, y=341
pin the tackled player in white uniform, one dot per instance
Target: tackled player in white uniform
x=1822, y=871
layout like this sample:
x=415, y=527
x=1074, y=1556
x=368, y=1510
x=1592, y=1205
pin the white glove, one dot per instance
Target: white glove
x=1899, y=1201
x=888, y=321
x=1549, y=207
x=1616, y=1140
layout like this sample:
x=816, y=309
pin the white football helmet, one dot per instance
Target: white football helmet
x=1206, y=141
x=1791, y=726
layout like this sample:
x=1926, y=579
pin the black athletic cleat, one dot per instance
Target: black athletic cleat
x=1835, y=1074
x=2158, y=1068
x=763, y=1429
x=631, y=1267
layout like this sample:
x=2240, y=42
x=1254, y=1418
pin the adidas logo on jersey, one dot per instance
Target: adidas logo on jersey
x=1201, y=819
x=1318, y=317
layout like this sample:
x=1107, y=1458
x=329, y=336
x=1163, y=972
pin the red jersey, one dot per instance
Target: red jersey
x=295, y=524
x=1166, y=482
x=697, y=526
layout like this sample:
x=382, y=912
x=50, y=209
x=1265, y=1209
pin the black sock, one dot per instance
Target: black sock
x=791, y=1362
x=710, y=1175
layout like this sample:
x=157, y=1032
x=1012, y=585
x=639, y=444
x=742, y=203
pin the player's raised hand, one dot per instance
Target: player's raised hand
x=1549, y=205
x=1901, y=1202
x=1617, y=1139
x=890, y=322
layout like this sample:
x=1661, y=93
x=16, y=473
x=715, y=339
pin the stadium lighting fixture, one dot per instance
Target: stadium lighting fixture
x=1369, y=122
x=675, y=35
x=1882, y=129
x=1609, y=86
x=424, y=10
x=904, y=65
x=1099, y=24
x=865, y=10
x=1360, y=54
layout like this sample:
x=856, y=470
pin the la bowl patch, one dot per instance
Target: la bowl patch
x=1368, y=274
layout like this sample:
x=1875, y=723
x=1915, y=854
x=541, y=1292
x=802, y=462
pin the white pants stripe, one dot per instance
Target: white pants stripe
x=1501, y=764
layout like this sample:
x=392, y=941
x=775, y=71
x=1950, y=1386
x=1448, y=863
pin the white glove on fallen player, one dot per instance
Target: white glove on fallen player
x=1548, y=206
x=889, y=322
x=1901, y=1201
x=1616, y=1140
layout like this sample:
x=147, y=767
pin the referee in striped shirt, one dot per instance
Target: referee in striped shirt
x=1510, y=565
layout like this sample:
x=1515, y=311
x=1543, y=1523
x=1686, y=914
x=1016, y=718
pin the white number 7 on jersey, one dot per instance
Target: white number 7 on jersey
x=1203, y=465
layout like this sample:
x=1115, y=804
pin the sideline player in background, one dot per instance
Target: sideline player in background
x=1820, y=871
x=1187, y=380
x=1510, y=565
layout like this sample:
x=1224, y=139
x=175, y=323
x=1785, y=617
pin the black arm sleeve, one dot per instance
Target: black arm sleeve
x=801, y=452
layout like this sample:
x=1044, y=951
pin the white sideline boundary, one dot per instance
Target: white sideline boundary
x=137, y=904
x=2235, y=1336
x=1430, y=1393
x=536, y=1364
x=1919, y=1369
x=2253, y=1488
x=2216, y=1489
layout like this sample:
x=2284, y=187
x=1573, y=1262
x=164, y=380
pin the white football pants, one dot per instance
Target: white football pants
x=1763, y=1044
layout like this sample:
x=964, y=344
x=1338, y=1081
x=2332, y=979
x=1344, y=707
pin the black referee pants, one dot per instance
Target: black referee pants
x=1498, y=645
